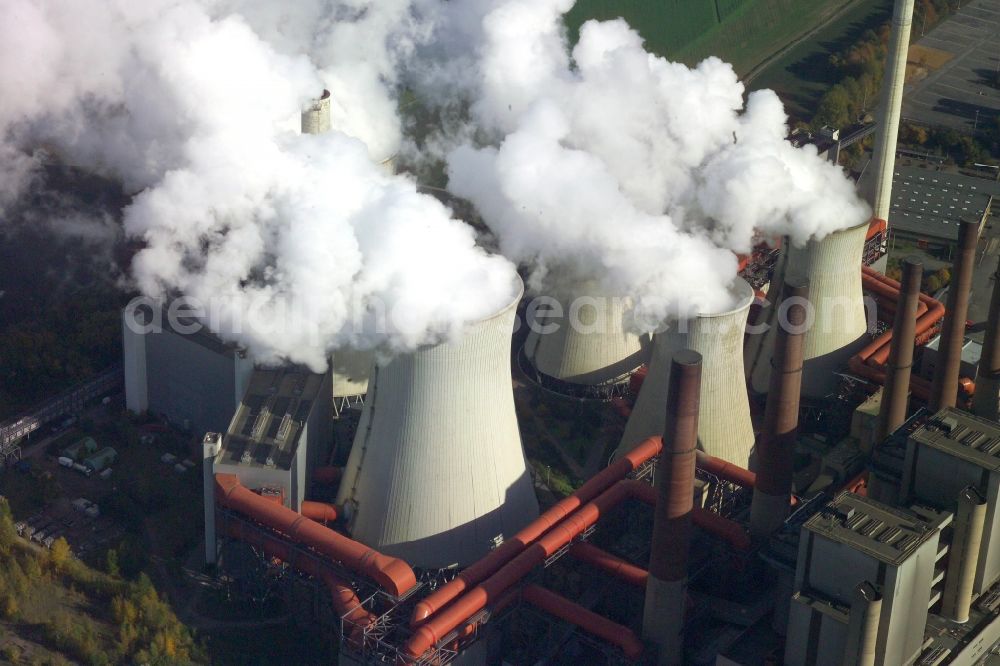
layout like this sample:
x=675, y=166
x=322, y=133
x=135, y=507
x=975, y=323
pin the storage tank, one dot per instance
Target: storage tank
x=437, y=474
x=832, y=266
x=724, y=427
x=589, y=350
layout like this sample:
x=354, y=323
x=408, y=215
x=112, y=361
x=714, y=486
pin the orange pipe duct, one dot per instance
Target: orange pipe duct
x=726, y=471
x=870, y=361
x=328, y=475
x=392, y=574
x=637, y=379
x=610, y=564
x=345, y=600
x=438, y=626
x=598, y=625
x=321, y=512
x=512, y=547
x=726, y=529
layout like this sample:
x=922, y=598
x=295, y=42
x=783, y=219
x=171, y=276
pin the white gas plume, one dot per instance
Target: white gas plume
x=627, y=168
x=601, y=163
x=292, y=244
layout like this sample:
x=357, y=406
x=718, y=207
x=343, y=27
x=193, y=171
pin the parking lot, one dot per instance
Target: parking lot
x=88, y=533
x=962, y=94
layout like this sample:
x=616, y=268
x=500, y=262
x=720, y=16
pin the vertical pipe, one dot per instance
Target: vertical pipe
x=210, y=447
x=986, y=401
x=781, y=415
x=963, y=556
x=884, y=155
x=316, y=116
x=944, y=391
x=663, y=614
x=896, y=393
x=862, y=627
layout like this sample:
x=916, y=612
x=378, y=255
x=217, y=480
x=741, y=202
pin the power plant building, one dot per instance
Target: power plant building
x=279, y=434
x=851, y=542
x=189, y=376
x=951, y=452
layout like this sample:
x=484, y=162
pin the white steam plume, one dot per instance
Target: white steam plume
x=614, y=164
x=296, y=243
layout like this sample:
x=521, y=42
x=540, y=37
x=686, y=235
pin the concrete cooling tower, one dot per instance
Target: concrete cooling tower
x=589, y=352
x=832, y=266
x=724, y=426
x=437, y=474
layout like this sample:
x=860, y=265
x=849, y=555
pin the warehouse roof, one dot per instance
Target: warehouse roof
x=932, y=203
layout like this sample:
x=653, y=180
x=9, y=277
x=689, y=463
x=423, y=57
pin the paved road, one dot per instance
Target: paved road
x=962, y=94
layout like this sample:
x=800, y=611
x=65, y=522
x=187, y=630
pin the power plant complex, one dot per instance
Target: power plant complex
x=783, y=486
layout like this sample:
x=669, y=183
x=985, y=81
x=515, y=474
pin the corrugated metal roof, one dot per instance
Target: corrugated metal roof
x=933, y=203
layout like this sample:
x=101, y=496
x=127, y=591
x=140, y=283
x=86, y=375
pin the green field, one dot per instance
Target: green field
x=743, y=32
x=804, y=73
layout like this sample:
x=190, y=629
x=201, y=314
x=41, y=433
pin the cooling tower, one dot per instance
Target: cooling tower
x=832, y=267
x=588, y=350
x=437, y=475
x=724, y=427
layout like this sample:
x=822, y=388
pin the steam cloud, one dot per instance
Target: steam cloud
x=604, y=164
x=298, y=244
x=611, y=163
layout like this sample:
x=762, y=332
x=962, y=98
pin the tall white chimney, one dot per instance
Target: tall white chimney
x=838, y=323
x=351, y=367
x=724, y=427
x=437, y=475
x=587, y=350
x=316, y=116
x=884, y=156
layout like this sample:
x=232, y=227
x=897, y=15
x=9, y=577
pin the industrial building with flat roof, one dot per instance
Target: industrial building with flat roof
x=928, y=205
x=850, y=542
x=190, y=377
x=280, y=433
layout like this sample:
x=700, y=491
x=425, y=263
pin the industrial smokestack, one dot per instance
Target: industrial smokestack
x=862, y=626
x=725, y=429
x=986, y=401
x=316, y=116
x=944, y=391
x=884, y=155
x=963, y=557
x=437, y=475
x=351, y=368
x=896, y=393
x=776, y=448
x=589, y=349
x=832, y=267
x=210, y=447
x=663, y=614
